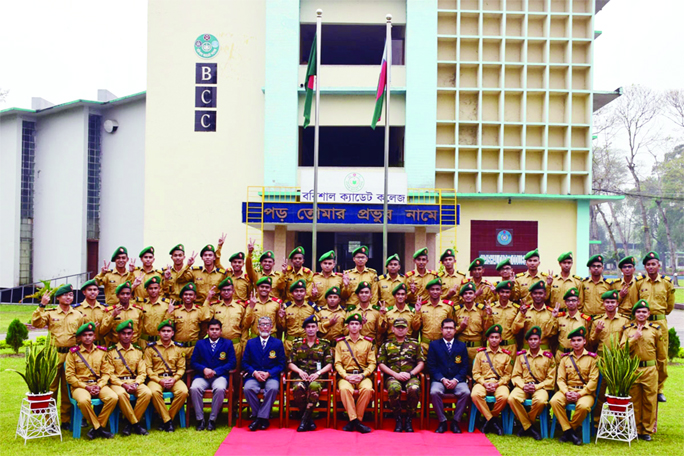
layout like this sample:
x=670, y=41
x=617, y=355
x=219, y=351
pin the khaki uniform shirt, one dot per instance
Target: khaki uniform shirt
x=289, y=277
x=486, y=293
x=449, y=281
x=591, y=303
x=111, y=280
x=567, y=324
x=135, y=361
x=188, y=322
x=323, y=284
x=659, y=293
x=420, y=281
x=625, y=304
x=263, y=309
x=232, y=317
x=612, y=327
x=331, y=332
x=501, y=360
x=560, y=286
x=375, y=321
x=385, y=286
x=477, y=318
x=533, y=317
x=254, y=276
x=110, y=322
x=431, y=318
x=355, y=277
x=78, y=375
x=62, y=325
x=363, y=352
x=172, y=286
x=242, y=285
x=153, y=314
x=515, y=291
x=504, y=316
x=174, y=357
x=409, y=314
x=204, y=280
x=295, y=314
x=650, y=346
x=543, y=368
x=523, y=281
x=94, y=313
x=568, y=378
x=140, y=292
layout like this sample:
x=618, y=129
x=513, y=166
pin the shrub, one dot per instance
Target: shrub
x=17, y=333
x=673, y=348
x=41, y=340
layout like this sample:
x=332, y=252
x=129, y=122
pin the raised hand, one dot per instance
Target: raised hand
x=479, y=291
x=556, y=310
x=191, y=260
x=600, y=326
x=549, y=278
x=523, y=308
x=464, y=323
x=333, y=319
x=138, y=280
x=383, y=307
x=167, y=272
x=117, y=310
x=284, y=266
x=345, y=279
x=488, y=308
x=172, y=306
x=250, y=245
x=412, y=286
x=281, y=311
x=252, y=300
x=419, y=305
x=105, y=268
x=314, y=290
x=45, y=299
x=624, y=291
x=131, y=265
x=222, y=239
x=211, y=293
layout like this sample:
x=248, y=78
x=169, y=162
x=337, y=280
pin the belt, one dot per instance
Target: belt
x=186, y=344
x=647, y=363
x=149, y=338
x=657, y=317
x=473, y=344
x=165, y=374
x=125, y=378
x=63, y=349
x=507, y=342
x=542, y=346
x=577, y=387
x=90, y=381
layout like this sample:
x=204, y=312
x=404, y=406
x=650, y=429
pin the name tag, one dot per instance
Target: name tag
x=318, y=365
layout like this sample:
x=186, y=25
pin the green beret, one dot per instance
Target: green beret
x=565, y=256
x=432, y=283
x=610, y=294
x=237, y=256
x=640, y=304
x=177, y=247
x=627, y=260
x=578, y=332
x=361, y=249
x=447, y=253
x=533, y=253
x=598, y=258
x=298, y=284
x=533, y=331
x=225, y=282
x=121, y=287
x=401, y=286
x=392, y=257
x=494, y=329
x=153, y=279
x=264, y=280
x=504, y=285
x=90, y=326
x=419, y=252
x=119, y=251
x=64, y=289
x=538, y=285
x=501, y=264
x=310, y=319
x=329, y=255
x=149, y=249
x=363, y=285
x=267, y=254
x=295, y=251
x=332, y=291
x=353, y=317
x=89, y=283
x=188, y=287
x=128, y=324
x=571, y=293
x=168, y=323
x=207, y=248
x=650, y=256
x=476, y=262
x=469, y=286
x=400, y=323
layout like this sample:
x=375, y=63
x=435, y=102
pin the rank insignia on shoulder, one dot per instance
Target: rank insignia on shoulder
x=340, y=339
x=565, y=354
x=111, y=348
x=410, y=273
x=520, y=274
x=446, y=301
x=178, y=344
x=521, y=352
x=482, y=349
x=151, y=344
x=480, y=306
x=101, y=347
x=508, y=352
x=376, y=307
x=516, y=305
x=585, y=316
x=368, y=338
x=298, y=339
x=656, y=326
x=74, y=349
x=279, y=301
x=78, y=304
x=137, y=346
x=548, y=354
x=592, y=354
x=350, y=308
x=577, y=277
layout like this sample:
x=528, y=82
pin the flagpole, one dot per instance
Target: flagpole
x=314, y=233
x=388, y=44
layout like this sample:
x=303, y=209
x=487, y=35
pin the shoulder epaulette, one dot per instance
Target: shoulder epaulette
x=314, y=306
x=298, y=339
x=288, y=304
x=555, y=276
x=74, y=349
x=508, y=352
x=381, y=277
x=480, y=306
x=306, y=270
x=565, y=354
x=218, y=301
x=548, y=354
x=368, y=338
x=586, y=317
x=137, y=307
x=560, y=314
x=349, y=308
x=279, y=301
x=78, y=304
x=221, y=270
x=515, y=304
x=339, y=339
x=137, y=346
x=656, y=326
x=101, y=347
x=460, y=272
x=592, y=354
x=197, y=306
x=390, y=308
x=139, y=299
x=544, y=273
x=520, y=274
x=106, y=310
x=111, y=348
x=376, y=307
x=432, y=271
x=549, y=308
x=441, y=274
x=372, y=270
x=577, y=277
x=51, y=308
x=610, y=281
x=482, y=349
x=151, y=344
x=629, y=325
x=410, y=273
x=521, y=352
x=668, y=278
x=586, y=278
x=177, y=344
x=639, y=276
x=197, y=268
x=458, y=306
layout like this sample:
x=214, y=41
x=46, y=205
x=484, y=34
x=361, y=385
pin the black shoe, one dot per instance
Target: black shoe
x=311, y=426
x=350, y=427
x=66, y=426
x=84, y=423
x=139, y=429
x=441, y=429
x=303, y=425
x=521, y=432
x=408, y=425
x=486, y=427
x=495, y=427
x=264, y=424
x=105, y=434
x=254, y=425
x=201, y=425
x=455, y=427
x=645, y=437
x=572, y=437
x=398, y=423
x=93, y=434
x=127, y=430
x=532, y=432
x=565, y=437
x=169, y=426
x=362, y=428
x=661, y=397
x=211, y=426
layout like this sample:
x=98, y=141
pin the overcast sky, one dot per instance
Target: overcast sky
x=65, y=50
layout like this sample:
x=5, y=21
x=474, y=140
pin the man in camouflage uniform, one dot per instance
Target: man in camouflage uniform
x=310, y=358
x=401, y=360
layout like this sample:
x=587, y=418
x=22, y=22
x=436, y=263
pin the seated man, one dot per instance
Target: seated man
x=401, y=359
x=448, y=365
x=88, y=374
x=165, y=361
x=533, y=374
x=262, y=362
x=212, y=360
x=355, y=363
x=491, y=374
x=310, y=358
x=577, y=380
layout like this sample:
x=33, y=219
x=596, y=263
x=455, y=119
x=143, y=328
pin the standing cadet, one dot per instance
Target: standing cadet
x=373, y=317
x=331, y=325
x=355, y=363
x=569, y=320
x=578, y=376
x=503, y=312
x=418, y=278
x=359, y=274
x=232, y=315
x=324, y=280
x=293, y=313
x=310, y=358
x=525, y=279
x=267, y=262
x=450, y=277
x=242, y=284
x=155, y=309
x=401, y=359
x=483, y=289
x=187, y=320
x=561, y=283
x=628, y=286
x=491, y=374
x=294, y=272
x=388, y=282
x=645, y=342
x=145, y=272
x=62, y=321
x=534, y=375
x=261, y=304
x=607, y=326
x=128, y=372
x=593, y=287
x=207, y=276
x=470, y=318
x=537, y=315
x=115, y=277
x=660, y=294
x=432, y=313
x=123, y=311
x=505, y=270
x=401, y=310
x=91, y=309
x=88, y=374
x=177, y=275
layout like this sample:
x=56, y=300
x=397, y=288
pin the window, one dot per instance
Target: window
x=94, y=172
x=28, y=166
x=351, y=44
x=351, y=146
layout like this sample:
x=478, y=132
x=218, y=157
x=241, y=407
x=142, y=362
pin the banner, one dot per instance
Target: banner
x=357, y=187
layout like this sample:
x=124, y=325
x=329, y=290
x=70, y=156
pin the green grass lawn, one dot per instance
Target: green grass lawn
x=679, y=296
x=9, y=312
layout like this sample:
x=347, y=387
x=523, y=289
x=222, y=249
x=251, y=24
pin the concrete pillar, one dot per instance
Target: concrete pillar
x=268, y=240
x=279, y=243
x=409, y=249
x=433, y=258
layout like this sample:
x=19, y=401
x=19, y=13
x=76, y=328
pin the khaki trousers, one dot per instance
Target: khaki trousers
x=582, y=408
x=478, y=397
x=143, y=395
x=108, y=398
x=539, y=399
x=180, y=393
x=355, y=410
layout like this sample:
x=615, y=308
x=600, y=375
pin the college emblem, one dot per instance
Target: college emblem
x=457, y=360
x=354, y=182
x=272, y=354
x=504, y=237
x=222, y=356
x=206, y=46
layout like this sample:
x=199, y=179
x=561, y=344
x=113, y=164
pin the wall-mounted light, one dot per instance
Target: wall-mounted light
x=110, y=126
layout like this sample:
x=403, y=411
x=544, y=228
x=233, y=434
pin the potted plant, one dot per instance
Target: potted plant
x=619, y=370
x=42, y=363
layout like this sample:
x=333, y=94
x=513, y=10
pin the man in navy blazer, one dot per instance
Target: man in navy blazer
x=212, y=360
x=262, y=362
x=448, y=365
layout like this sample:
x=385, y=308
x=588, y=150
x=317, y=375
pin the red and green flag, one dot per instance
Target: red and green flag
x=382, y=86
x=310, y=83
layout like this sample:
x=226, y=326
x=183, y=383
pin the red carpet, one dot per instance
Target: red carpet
x=323, y=441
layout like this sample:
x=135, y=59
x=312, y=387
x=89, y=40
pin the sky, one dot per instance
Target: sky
x=65, y=50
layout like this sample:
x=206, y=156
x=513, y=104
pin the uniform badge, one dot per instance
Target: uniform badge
x=272, y=354
x=457, y=360
x=222, y=356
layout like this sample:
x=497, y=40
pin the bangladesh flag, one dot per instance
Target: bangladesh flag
x=382, y=86
x=310, y=82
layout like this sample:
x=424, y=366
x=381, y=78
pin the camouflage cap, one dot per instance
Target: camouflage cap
x=400, y=323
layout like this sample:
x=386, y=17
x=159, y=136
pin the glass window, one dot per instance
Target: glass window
x=352, y=44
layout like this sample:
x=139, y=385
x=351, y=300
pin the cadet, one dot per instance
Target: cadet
x=165, y=362
x=331, y=325
x=128, y=372
x=471, y=319
x=355, y=364
x=360, y=274
x=206, y=276
x=324, y=280
x=155, y=309
x=534, y=374
x=187, y=320
x=561, y=283
x=628, y=286
x=646, y=343
x=88, y=374
x=660, y=293
x=232, y=315
x=62, y=322
x=261, y=304
x=418, y=278
x=569, y=320
x=577, y=379
x=123, y=311
x=242, y=284
x=537, y=315
x=483, y=289
x=293, y=313
x=267, y=262
x=401, y=310
x=91, y=309
x=310, y=358
x=594, y=286
x=388, y=282
x=373, y=316
x=450, y=277
x=144, y=273
x=503, y=312
x=505, y=270
x=607, y=326
x=432, y=313
x=177, y=275
x=115, y=277
x=401, y=359
x=525, y=279
x=294, y=272
x=491, y=374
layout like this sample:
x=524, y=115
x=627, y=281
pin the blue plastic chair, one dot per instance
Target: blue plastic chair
x=77, y=415
x=505, y=416
x=587, y=424
x=168, y=395
x=543, y=420
x=116, y=416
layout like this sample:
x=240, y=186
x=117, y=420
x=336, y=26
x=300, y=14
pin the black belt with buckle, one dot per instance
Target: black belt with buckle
x=126, y=378
x=186, y=344
x=165, y=374
x=149, y=338
x=63, y=349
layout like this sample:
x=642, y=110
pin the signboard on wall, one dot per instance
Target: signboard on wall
x=496, y=240
x=356, y=187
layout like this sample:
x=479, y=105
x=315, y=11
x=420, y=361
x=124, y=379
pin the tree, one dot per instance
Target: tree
x=674, y=102
x=3, y=95
x=17, y=333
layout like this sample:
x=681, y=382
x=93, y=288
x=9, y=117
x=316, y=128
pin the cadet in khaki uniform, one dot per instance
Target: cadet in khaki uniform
x=355, y=363
x=144, y=273
x=483, y=289
x=491, y=374
x=177, y=274
x=267, y=262
x=418, y=278
x=331, y=325
x=324, y=280
x=526, y=279
x=123, y=311
x=432, y=313
x=242, y=284
x=232, y=315
x=576, y=381
x=187, y=320
x=111, y=279
x=470, y=318
x=360, y=274
x=128, y=373
x=562, y=282
x=505, y=270
x=293, y=313
x=452, y=280
x=261, y=304
x=503, y=312
x=401, y=310
x=292, y=273
x=88, y=374
x=537, y=315
x=388, y=282
x=628, y=286
x=607, y=326
x=401, y=359
x=207, y=276
x=646, y=343
x=659, y=292
x=373, y=316
x=155, y=309
x=91, y=309
x=594, y=286
x=310, y=358
x=534, y=374
x=62, y=321
x=165, y=362
x=568, y=321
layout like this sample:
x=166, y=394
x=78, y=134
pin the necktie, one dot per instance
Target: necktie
x=263, y=343
x=449, y=347
x=213, y=346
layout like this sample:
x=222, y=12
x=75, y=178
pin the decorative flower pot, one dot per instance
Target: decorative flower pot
x=39, y=401
x=618, y=404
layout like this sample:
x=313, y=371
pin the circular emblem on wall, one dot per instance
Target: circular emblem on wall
x=206, y=46
x=354, y=182
x=504, y=237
